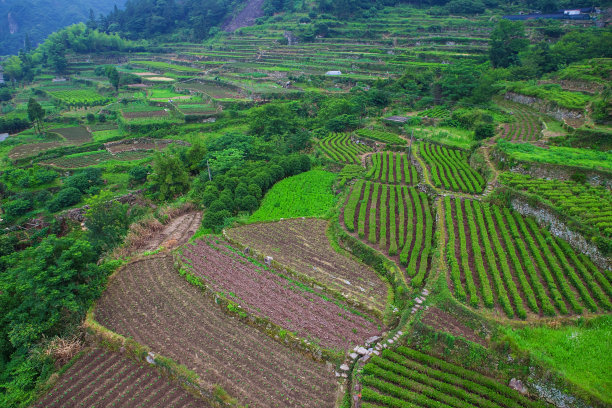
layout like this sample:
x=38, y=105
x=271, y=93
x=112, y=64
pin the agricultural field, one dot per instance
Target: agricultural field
x=396, y=219
x=393, y=168
x=306, y=195
x=79, y=97
x=381, y=136
x=341, y=147
x=150, y=302
x=265, y=292
x=438, y=112
x=499, y=259
x=164, y=66
x=77, y=135
x=568, y=156
x=526, y=126
x=32, y=149
x=81, y=160
x=104, y=378
x=302, y=245
x=591, y=205
x=407, y=377
x=212, y=89
x=450, y=169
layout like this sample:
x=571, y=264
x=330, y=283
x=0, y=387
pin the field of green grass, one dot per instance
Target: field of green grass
x=305, y=195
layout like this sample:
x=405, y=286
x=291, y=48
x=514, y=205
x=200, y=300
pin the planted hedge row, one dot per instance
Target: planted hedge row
x=340, y=147
x=523, y=264
x=450, y=169
x=393, y=168
x=407, y=377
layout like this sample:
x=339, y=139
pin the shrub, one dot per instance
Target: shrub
x=65, y=198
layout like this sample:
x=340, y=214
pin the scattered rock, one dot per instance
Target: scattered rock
x=344, y=367
x=366, y=358
x=518, y=385
x=376, y=352
x=418, y=300
x=353, y=355
x=268, y=260
x=151, y=358
x=372, y=340
x=362, y=351
x=425, y=292
x=390, y=341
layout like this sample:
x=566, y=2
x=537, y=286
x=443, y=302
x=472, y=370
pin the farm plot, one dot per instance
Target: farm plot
x=105, y=379
x=32, y=149
x=265, y=292
x=450, y=169
x=77, y=135
x=132, y=145
x=526, y=127
x=393, y=168
x=406, y=377
x=591, y=205
x=212, y=89
x=341, y=147
x=79, y=97
x=396, y=218
x=80, y=160
x=379, y=135
x=497, y=258
x=150, y=114
x=303, y=246
x=149, y=301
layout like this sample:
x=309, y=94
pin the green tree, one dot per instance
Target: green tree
x=56, y=58
x=113, y=77
x=508, y=39
x=13, y=68
x=169, y=177
x=36, y=114
x=107, y=220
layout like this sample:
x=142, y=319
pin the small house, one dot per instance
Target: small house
x=333, y=73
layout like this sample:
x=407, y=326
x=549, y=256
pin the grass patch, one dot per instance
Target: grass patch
x=581, y=353
x=305, y=195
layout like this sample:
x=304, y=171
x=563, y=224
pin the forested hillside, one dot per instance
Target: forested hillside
x=23, y=21
x=298, y=203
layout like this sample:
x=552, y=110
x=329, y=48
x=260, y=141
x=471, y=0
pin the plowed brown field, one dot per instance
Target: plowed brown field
x=150, y=302
x=106, y=379
x=302, y=245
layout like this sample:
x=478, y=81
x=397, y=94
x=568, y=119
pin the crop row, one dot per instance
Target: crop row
x=498, y=257
x=340, y=147
x=407, y=377
x=591, y=205
x=393, y=168
x=101, y=378
x=379, y=135
x=525, y=127
x=450, y=169
x=80, y=160
x=396, y=218
x=436, y=112
x=80, y=97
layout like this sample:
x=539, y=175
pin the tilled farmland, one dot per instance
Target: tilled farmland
x=265, y=292
x=107, y=379
x=302, y=245
x=150, y=302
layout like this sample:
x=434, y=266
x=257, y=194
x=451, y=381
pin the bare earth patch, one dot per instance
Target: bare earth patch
x=176, y=233
x=150, y=302
x=302, y=244
x=442, y=321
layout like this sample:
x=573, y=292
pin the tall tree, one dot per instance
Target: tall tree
x=507, y=41
x=36, y=114
x=113, y=77
x=56, y=58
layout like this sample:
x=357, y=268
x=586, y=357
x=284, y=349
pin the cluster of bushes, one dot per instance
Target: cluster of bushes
x=32, y=177
x=241, y=189
x=13, y=125
x=478, y=120
x=74, y=187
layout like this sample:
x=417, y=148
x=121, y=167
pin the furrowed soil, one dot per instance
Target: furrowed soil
x=266, y=292
x=176, y=233
x=445, y=322
x=107, y=379
x=302, y=245
x=150, y=302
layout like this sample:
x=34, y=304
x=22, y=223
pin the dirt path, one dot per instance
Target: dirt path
x=246, y=17
x=176, y=233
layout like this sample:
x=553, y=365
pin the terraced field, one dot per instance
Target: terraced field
x=381, y=136
x=397, y=220
x=106, y=379
x=589, y=204
x=406, y=377
x=526, y=126
x=151, y=303
x=450, y=169
x=340, y=147
x=302, y=245
x=393, y=168
x=77, y=135
x=497, y=258
x=81, y=160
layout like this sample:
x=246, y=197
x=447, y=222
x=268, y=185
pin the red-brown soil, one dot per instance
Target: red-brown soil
x=303, y=246
x=264, y=292
x=448, y=323
x=150, y=302
x=176, y=233
x=106, y=379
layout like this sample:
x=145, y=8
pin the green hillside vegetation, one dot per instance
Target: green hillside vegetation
x=306, y=195
x=400, y=131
